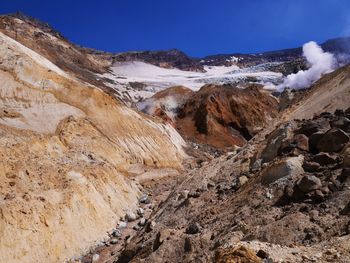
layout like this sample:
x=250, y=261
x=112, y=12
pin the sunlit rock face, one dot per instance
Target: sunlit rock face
x=65, y=149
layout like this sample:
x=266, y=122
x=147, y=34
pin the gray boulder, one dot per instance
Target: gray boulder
x=274, y=141
x=287, y=168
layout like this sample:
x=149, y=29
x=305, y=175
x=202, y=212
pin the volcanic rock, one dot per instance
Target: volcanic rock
x=313, y=141
x=309, y=183
x=287, y=168
x=193, y=228
x=274, y=142
x=301, y=142
x=324, y=159
x=240, y=254
x=332, y=141
x=130, y=216
x=311, y=166
x=236, y=114
x=346, y=155
x=341, y=123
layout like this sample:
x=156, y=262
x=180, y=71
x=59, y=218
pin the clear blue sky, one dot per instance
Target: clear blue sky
x=198, y=27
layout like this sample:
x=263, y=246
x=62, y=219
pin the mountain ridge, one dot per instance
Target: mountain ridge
x=336, y=45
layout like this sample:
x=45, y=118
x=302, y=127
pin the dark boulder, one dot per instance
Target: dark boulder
x=341, y=123
x=313, y=141
x=332, y=141
x=311, y=166
x=325, y=159
x=309, y=127
x=309, y=183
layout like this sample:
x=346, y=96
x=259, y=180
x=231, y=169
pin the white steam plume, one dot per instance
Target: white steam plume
x=321, y=62
x=168, y=104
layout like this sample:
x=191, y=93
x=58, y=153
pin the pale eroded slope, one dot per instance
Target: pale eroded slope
x=65, y=150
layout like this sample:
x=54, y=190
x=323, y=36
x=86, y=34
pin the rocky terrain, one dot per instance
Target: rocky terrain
x=282, y=198
x=158, y=157
x=167, y=59
x=236, y=114
x=66, y=149
x=292, y=56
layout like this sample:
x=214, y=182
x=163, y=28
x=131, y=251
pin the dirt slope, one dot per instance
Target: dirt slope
x=66, y=147
x=284, y=197
x=329, y=93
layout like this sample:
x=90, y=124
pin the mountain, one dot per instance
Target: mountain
x=236, y=114
x=66, y=149
x=158, y=157
x=173, y=58
x=282, y=196
x=335, y=46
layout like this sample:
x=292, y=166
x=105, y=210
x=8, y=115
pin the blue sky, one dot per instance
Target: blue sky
x=198, y=27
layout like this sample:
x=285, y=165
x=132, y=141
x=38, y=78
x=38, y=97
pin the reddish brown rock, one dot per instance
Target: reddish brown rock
x=236, y=255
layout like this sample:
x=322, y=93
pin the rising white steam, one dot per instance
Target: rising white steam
x=168, y=104
x=320, y=63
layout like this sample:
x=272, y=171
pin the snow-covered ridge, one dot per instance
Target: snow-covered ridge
x=156, y=78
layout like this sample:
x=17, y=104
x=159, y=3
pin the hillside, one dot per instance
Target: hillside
x=66, y=150
x=155, y=156
x=283, y=196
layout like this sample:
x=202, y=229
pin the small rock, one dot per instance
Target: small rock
x=116, y=233
x=262, y=254
x=301, y=142
x=193, y=228
x=122, y=224
x=257, y=165
x=333, y=141
x=313, y=214
x=188, y=245
x=194, y=194
x=150, y=226
x=95, y=257
x=346, y=155
x=269, y=194
x=136, y=227
x=309, y=183
x=130, y=216
x=238, y=182
x=183, y=194
x=318, y=194
x=210, y=184
x=144, y=199
x=162, y=235
x=242, y=180
x=334, y=186
x=142, y=222
x=140, y=211
x=113, y=241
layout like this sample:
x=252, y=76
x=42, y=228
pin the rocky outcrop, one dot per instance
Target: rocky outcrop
x=167, y=59
x=49, y=43
x=281, y=211
x=233, y=113
x=66, y=148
